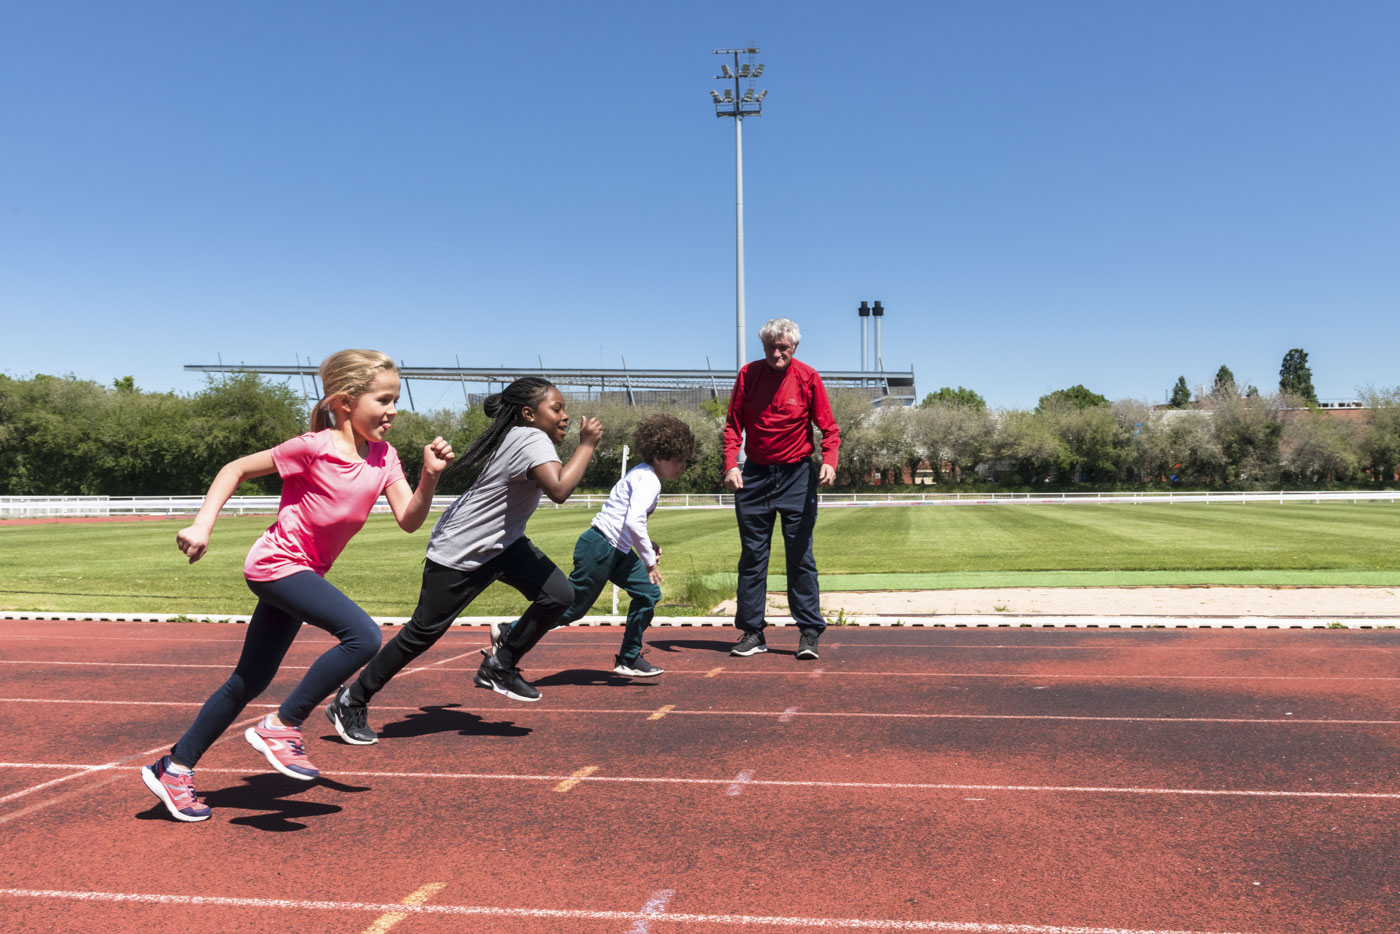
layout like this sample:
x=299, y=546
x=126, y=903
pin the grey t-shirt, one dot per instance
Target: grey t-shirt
x=490, y=516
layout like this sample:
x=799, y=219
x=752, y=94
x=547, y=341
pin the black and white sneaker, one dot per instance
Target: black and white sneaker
x=807, y=645
x=350, y=720
x=505, y=681
x=639, y=667
x=750, y=643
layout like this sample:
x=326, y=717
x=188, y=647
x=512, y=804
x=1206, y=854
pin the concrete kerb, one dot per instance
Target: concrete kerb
x=948, y=621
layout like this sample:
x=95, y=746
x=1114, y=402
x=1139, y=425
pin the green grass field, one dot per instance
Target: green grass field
x=134, y=566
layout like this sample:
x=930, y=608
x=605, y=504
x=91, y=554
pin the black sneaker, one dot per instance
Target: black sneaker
x=750, y=643
x=505, y=681
x=807, y=645
x=350, y=720
x=639, y=667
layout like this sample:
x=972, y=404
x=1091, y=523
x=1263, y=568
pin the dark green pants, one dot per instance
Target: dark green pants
x=596, y=563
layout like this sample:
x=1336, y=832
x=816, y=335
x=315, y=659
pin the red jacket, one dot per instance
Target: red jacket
x=773, y=412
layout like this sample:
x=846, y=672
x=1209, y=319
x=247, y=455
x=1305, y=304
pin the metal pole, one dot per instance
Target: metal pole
x=740, y=356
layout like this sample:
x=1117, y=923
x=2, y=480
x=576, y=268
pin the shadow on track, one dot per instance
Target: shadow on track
x=261, y=792
x=445, y=718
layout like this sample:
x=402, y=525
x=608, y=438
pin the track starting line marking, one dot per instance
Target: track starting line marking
x=813, y=673
x=784, y=716
x=567, y=914
x=745, y=780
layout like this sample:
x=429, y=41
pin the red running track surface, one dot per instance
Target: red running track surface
x=1027, y=781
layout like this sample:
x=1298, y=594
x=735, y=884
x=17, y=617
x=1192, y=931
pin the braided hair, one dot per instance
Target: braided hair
x=503, y=408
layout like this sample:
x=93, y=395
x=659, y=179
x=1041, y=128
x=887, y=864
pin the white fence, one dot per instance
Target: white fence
x=50, y=507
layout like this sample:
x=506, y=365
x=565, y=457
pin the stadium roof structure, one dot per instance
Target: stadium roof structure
x=884, y=387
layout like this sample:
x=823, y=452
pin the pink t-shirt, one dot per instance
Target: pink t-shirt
x=325, y=501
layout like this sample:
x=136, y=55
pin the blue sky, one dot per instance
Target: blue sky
x=1041, y=194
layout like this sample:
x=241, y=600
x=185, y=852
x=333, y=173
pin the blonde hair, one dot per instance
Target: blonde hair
x=347, y=373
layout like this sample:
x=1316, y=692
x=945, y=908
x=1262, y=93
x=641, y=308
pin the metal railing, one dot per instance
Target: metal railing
x=58, y=507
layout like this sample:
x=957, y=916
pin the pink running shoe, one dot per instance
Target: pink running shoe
x=283, y=748
x=176, y=792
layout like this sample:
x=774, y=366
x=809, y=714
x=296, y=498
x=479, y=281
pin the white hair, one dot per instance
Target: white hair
x=780, y=327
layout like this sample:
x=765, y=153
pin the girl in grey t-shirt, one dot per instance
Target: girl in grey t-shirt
x=481, y=539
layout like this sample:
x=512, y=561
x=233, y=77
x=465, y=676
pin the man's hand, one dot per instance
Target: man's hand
x=437, y=456
x=734, y=479
x=826, y=476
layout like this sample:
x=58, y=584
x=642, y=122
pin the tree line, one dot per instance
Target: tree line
x=64, y=436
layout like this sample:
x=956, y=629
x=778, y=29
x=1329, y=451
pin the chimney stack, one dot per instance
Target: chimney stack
x=864, y=313
x=879, y=312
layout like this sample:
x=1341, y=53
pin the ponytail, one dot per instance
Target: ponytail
x=347, y=373
x=503, y=408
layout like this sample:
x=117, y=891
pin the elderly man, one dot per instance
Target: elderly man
x=776, y=400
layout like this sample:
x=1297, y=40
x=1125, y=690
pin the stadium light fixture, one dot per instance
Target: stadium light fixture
x=739, y=102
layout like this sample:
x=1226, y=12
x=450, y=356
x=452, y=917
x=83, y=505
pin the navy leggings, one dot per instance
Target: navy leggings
x=282, y=606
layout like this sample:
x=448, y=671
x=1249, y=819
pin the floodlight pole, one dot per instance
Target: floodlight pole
x=738, y=110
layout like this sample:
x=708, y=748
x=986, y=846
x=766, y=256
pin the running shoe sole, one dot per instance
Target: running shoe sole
x=804, y=655
x=344, y=734
x=634, y=673
x=756, y=650
x=256, y=741
x=490, y=685
x=148, y=776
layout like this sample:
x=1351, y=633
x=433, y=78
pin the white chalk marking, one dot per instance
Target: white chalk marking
x=745, y=778
x=654, y=906
x=787, y=715
x=737, y=787
x=566, y=914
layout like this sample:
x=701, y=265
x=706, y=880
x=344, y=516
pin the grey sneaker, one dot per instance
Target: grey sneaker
x=350, y=720
x=750, y=643
x=807, y=645
x=637, y=668
x=505, y=681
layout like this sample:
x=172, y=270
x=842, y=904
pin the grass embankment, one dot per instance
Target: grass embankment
x=135, y=567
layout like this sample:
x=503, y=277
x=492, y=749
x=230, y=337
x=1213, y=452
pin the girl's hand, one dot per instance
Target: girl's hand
x=437, y=456
x=193, y=541
x=590, y=431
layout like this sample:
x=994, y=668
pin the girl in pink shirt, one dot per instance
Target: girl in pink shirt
x=331, y=477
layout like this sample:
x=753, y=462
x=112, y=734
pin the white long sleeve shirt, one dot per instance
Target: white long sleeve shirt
x=623, y=518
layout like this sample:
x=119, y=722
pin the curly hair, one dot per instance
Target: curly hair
x=663, y=437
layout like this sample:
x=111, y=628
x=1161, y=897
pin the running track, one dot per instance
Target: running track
x=953, y=780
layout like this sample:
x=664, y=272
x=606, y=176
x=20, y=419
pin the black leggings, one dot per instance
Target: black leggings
x=282, y=606
x=446, y=593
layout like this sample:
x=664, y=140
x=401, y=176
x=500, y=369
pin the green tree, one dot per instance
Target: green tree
x=1295, y=376
x=1181, y=394
x=960, y=396
x=1074, y=397
x=1224, y=381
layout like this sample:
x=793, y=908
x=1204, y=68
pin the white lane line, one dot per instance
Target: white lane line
x=1011, y=675
x=438, y=664
x=852, y=714
x=787, y=715
x=567, y=914
x=745, y=780
x=654, y=906
x=559, y=646
x=736, y=788
x=81, y=770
